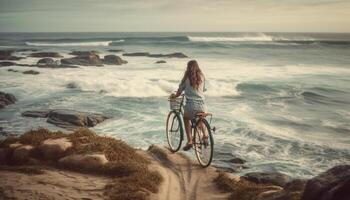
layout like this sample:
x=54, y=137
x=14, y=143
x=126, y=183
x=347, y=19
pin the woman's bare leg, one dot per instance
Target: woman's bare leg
x=188, y=129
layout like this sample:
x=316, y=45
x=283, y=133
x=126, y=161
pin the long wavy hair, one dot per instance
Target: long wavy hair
x=194, y=74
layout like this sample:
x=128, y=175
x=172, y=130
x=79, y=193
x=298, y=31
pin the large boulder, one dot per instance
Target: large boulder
x=88, y=161
x=68, y=119
x=333, y=184
x=52, y=149
x=6, y=99
x=274, y=178
x=7, y=55
x=113, y=60
x=21, y=154
x=84, y=60
x=45, y=54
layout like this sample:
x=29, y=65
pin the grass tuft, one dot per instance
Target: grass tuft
x=242, y=189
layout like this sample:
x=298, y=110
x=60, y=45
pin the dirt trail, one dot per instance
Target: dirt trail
x=184, y=179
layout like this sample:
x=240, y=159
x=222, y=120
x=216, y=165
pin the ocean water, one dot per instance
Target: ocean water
x=281, y=101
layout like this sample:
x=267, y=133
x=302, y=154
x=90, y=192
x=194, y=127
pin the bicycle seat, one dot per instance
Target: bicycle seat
x=202, y=114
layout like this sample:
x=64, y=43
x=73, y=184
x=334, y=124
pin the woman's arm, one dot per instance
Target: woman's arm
x=179, y=91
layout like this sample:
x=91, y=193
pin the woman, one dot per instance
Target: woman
x=193, y=84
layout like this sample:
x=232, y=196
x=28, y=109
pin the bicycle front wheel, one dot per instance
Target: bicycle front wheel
x=174, y=131
x=203, y=142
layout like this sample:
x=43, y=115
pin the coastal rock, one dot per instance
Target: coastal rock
x=3, y=155
x=54, y=148
x=12, y=70
x=84, y=53
x=137, y=54
x=171, y=55
x=89, y=161
x=33, y=72
x=36, y=113
x=71, y=119
x=6, y=99
x=15, y=145
x=21, y=154
x=333, y=184
x=7, y=55
x=51, y=63
x=116, y=50
x=46, y=62
x=45, y=54
x=274, y=178
x=68, y=119
x=160, y=61
x=84, y=60
x=237, y=161
x=293, y=190
x=113, y=60
x=7, y=64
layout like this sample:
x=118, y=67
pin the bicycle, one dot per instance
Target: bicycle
x=203, y=141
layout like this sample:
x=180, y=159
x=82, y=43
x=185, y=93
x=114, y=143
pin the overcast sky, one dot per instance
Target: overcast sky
x=174, y=15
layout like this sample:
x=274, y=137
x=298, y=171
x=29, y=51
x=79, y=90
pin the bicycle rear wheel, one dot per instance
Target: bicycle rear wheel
x=203, y=142
x=174, y=131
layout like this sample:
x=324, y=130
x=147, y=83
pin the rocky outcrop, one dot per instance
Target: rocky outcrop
x=32, y=72
x=51, y=63
x=86, y=161
x=7, y=55
x=113, y=60
x=333, y=184
x=84, y=59
x=160, y=61
x=6, y=99
x=46, y=62
x=21, y=154
x=7, y=64
x=84, y=53
x=12, y=70
x=274, y=178
x=137, y=54
x=52, y=149
x=36, y=113
x=68, y=119
x=45, y=54
x=115, y=50
x=171, y=55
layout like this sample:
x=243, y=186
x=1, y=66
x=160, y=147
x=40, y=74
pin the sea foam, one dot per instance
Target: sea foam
x=100, y=43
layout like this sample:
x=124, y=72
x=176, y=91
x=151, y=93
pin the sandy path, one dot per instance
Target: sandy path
x=53, y=184
x=184, y=179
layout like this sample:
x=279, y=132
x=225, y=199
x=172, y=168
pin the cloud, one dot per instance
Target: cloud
x=174, y=15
